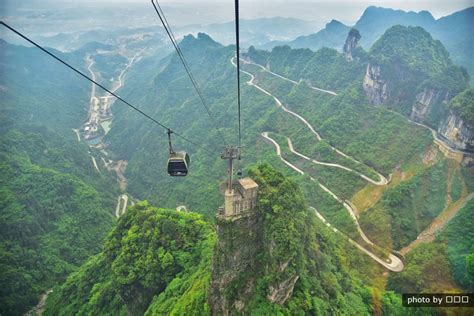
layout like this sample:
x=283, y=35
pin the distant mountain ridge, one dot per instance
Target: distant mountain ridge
x=254, y=31
x=375, y=20
x=329, y=36
x=454, y=31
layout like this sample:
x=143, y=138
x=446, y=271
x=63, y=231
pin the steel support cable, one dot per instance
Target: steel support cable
x=105, y=89
x=237, y=49
x=171, y=31
x=237, y=53
x=175, y=43
x=168, y=30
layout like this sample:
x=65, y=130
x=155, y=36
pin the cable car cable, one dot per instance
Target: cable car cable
x=237, y=52
x=170, y=33
x=168, y=30
x=105, y=89
x=237, y=49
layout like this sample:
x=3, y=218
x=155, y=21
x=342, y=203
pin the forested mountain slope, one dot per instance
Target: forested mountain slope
x=56, y=208
x=51, y=221
x=150, y=252
x=158, y=261
x=412, y=73
x=169, y=95
x=454, y=31
x=406, y=70
x=374, y=176
x=375, y=139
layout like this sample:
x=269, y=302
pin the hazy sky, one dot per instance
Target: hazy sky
x=438, y=8
x=48, y=13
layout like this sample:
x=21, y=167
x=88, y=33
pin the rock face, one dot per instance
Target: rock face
x=235, y=258
x=352, y=42
x=374, y=85
x=457, y=133
x=280, y=293
x=425, y=101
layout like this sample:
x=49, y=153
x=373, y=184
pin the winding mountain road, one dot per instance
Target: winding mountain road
x=394, y=264
x=122, y=203
x=382, y=181
x=435, y=134
x=285, y=78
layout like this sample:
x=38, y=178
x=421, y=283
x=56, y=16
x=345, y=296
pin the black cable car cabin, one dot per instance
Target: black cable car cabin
x=178, y=161
x=178, y=164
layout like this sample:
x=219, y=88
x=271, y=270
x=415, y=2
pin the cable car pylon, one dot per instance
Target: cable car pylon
x=234, y=152
x=230, y=153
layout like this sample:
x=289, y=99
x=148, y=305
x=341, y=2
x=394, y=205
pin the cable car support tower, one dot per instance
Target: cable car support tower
x=240, y=197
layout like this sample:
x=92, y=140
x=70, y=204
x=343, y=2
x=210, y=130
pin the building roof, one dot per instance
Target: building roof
x=248, y=183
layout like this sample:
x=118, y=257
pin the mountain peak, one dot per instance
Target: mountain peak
x=373, y=12
x=204, y=37
x=200, y=38
x=372, y=9
x=426, y=14
x=408, y=52
x=398, y=39
x=351, y=43
x=334, y=24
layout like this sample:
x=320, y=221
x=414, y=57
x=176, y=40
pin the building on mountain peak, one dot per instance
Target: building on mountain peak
x=241, y=199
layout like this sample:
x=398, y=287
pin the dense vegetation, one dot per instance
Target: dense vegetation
x=443, y=265
x=55, y=207
x=325, y=68
x=463, y=105
x=158, y=261
x=151, y=251
x=427, y=268
x=412, y=62
x=408, y=208
x=51, y=220
x=459, y=238
x=292, y=234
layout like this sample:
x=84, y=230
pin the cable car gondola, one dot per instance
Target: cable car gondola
x=178, y=162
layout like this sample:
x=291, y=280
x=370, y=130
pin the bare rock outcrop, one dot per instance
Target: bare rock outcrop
x=235, y=258
x=352, y=41
x=374, y=85
x=425, y=101
x=457, y=133
x=281, y=292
